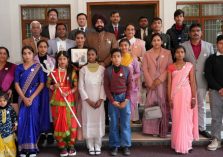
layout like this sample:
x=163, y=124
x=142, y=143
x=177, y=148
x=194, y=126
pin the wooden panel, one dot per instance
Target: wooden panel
x=64, y=16
x=149, y=9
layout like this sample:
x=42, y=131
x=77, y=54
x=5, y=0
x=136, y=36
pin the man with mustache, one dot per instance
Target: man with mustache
x=101, y=40
x=197, y=52
x=49, y=31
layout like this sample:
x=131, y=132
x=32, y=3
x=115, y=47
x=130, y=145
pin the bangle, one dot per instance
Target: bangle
x=52, y=87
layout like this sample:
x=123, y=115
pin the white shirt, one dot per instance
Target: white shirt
x=61, y=45
x=132, y=41
x=83, y=28
x=114, y=26
x=142, y=32
x=219, y=54
x=36, y=41
x=52, y=31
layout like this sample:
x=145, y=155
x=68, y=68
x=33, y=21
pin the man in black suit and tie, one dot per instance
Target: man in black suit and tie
x=115, y=27
x=143, y=31
x=82, y=26
x=49, y=31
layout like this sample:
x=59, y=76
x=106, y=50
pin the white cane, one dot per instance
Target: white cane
x=49, y=70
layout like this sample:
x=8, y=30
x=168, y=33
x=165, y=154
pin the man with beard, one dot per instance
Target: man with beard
x=143, y=31
x=197, y=52
x=49, y=31
x=102, y=41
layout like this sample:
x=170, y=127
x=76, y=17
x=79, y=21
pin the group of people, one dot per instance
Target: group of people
x=126, y=67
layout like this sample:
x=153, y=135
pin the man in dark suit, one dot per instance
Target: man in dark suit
x=115, y=27
x=82, y=26
x=49, y=31
x=143, y=31
x=156, y=26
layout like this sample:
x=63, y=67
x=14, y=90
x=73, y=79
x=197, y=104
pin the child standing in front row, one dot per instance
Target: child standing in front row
x=182, y=101
x=91, y=88
x=117, y=84
x=65, y=125
x=8, y=124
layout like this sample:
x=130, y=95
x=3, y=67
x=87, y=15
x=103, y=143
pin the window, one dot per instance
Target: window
x=209, y=14
x=30, y=13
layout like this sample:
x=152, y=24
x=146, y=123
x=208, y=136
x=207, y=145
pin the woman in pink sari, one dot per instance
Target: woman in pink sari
x=182, y=100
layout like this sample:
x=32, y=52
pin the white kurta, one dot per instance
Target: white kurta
x=91, y=85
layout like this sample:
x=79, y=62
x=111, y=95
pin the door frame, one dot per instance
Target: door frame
x=90, y=4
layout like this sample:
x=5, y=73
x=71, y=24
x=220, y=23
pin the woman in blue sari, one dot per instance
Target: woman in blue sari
x=29, y=81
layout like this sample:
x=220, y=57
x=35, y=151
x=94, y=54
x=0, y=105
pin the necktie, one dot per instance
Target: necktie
x=82, y=29
x=144, y=34
x=116, y=32
x=36, y=41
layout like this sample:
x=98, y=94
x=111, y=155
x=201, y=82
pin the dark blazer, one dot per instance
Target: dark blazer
x=45, y=32
x=138, y=32
x=72, y=33
x=121, y=30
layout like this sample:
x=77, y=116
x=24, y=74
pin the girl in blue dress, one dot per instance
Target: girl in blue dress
x=29, y=81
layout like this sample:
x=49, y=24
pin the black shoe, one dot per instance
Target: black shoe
x=50, y=139
x=126, y=151
x=191, y=150
x=205, y=134
x=42, y=139
x=114, y=151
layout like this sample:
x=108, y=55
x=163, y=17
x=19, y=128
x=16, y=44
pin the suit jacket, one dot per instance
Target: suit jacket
x=206, y=50
x=138, y=33
x=149, y=66
x=121, y=30
x=103, y=42
x=31, y=42
x=72, y=33
x=45, y=32
x=52, y=50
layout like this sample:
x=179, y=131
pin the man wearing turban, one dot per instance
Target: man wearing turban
x=101, y=40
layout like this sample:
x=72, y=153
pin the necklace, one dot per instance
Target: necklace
x=179, y=65
x=65, y=74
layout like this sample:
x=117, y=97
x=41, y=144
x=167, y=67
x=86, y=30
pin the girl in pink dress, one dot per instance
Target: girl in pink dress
x=182, y=101
x=137, y=49
x=133, y=64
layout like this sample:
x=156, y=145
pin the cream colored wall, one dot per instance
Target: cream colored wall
x=11, y=35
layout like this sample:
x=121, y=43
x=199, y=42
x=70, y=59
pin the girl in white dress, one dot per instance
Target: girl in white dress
x=91, y=88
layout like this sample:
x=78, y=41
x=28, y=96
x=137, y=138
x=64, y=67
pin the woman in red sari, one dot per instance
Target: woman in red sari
x=65, y=126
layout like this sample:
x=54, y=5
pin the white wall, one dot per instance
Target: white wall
x=10, y=17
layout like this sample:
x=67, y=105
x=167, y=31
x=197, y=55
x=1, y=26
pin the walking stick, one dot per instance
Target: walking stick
x=49, y=70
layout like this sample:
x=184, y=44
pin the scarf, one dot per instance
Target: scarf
x=126, y=59
x=92, y=67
